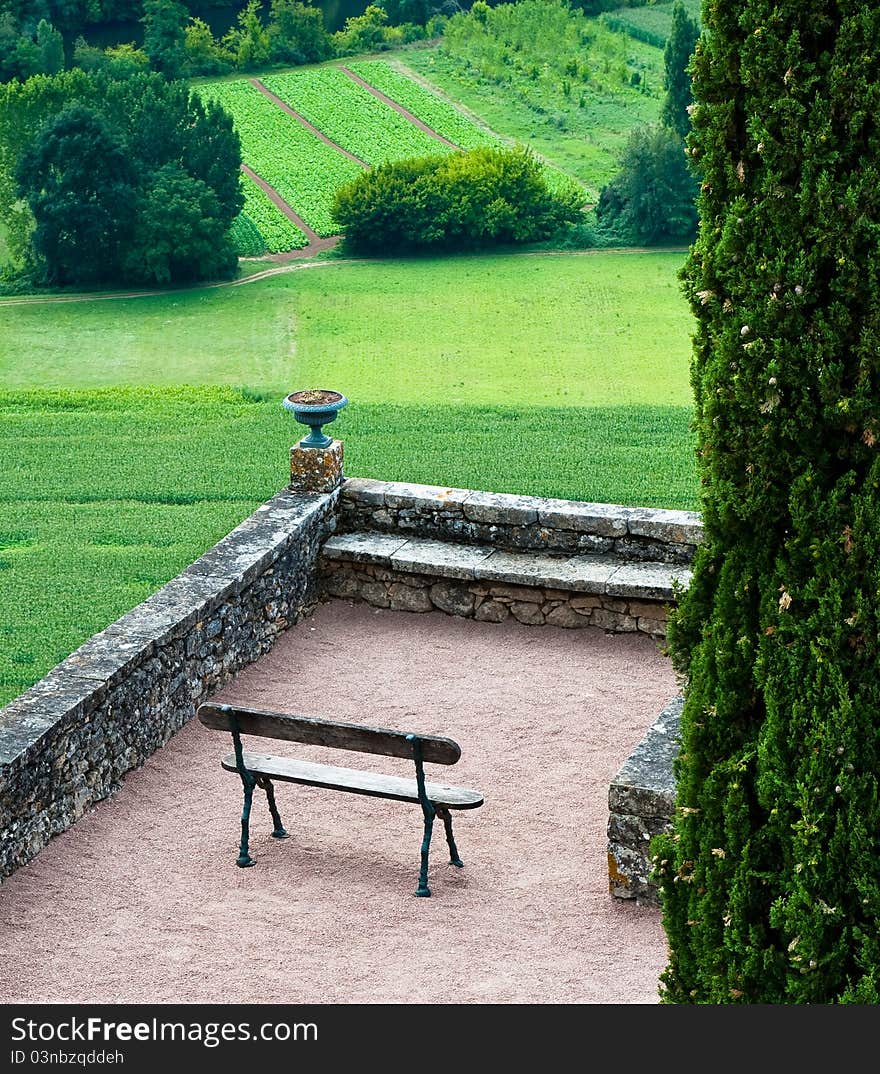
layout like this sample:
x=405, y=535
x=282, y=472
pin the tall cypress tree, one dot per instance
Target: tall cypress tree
x=770, y=880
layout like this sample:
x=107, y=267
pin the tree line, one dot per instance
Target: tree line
x=132, y=181
x=48, y=36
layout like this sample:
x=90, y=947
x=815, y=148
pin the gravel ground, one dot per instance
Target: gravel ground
x=141, y=902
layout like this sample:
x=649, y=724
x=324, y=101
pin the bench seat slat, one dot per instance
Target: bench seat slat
x=357, y=781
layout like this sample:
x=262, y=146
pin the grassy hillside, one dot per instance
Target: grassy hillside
x=598, y=328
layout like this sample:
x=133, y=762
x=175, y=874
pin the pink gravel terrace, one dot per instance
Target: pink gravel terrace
x=141, y=901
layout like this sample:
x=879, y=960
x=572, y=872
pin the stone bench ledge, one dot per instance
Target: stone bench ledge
x=595, y=574
x=507, y=509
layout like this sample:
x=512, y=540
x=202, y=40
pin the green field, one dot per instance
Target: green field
x=577, y=329
x=650, y=23
x=553, y=374
x=569, y=87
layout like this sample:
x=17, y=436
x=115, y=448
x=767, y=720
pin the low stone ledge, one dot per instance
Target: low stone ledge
x=641, y=804
x=486, y=600
x=646, y=582
x=512, y=523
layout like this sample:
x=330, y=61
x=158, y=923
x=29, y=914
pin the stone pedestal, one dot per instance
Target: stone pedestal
x=316, y=469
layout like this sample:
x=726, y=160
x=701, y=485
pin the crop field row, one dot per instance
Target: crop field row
x=305, y=171
x=438, y=114
x=278, y=232
x=351, y=116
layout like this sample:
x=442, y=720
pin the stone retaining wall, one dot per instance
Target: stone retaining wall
x=517, y=523
x=534, y=605
x=641, y=804
x=67, y=741
x=545, y=551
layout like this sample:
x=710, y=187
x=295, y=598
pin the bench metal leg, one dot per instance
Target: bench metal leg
x=423, y=890
x=244, y=859
x=280, y=832
x=454, y=859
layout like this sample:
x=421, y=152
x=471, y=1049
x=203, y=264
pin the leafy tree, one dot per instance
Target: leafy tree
x=90, y=222
x=362, y=33
x=116, y=62
x=164, y=23
x=204, y=54
x=50, y=47
x=680, y=46
x=297, y=33
x=770, y=880
x=248, y=42
x=653, y=198
x=181, y=232
x=83, y=213
x=19, y=56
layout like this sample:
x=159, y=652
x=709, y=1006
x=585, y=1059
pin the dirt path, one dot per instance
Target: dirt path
x=257, y=84
x=397, y=107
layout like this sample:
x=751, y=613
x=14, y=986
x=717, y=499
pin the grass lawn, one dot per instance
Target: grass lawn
x=506, y=373
x=598, y=328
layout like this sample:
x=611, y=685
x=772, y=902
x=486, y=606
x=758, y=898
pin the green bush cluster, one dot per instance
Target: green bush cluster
x=457, y=201
x=770, y=881
x=159, y=207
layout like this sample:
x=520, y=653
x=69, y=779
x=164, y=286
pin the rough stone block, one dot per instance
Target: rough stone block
x=443, y=558
x=362, y=547
x=584, y=574
x=567, y=617
x=406, y=598
x=517, y=592
x=527, y=613
x=376, y=594
x=500, y=509
x=645, y=783
x=421, y=498
x=364, y=491
x=615, y=622
x=316, y=469
x=646, y=581
x=672, y=527
x=601, y=519
x=452, y=599
x=491, y=611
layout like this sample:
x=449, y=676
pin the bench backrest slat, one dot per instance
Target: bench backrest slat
x=334, y=734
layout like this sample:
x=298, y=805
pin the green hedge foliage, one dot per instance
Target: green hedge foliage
x=770, y=881
x=458, y=201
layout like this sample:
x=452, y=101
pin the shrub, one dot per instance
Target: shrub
x=458, y=201
x=653, y=199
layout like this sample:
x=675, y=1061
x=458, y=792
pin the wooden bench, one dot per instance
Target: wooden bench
x=260, y=770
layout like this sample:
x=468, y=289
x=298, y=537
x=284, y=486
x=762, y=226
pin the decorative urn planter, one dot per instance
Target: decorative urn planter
x=316, y=408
